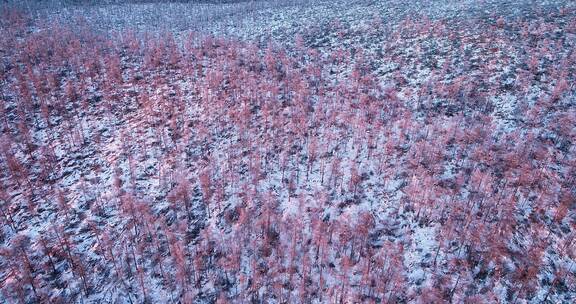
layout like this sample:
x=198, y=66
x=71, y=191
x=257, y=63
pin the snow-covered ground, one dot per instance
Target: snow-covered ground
x=309, y=151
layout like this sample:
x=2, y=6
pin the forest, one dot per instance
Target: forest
x=254, y=159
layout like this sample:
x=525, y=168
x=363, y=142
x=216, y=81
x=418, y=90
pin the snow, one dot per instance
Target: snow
x=417, y=55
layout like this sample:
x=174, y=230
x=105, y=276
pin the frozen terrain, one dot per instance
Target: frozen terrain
x=288, y=152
